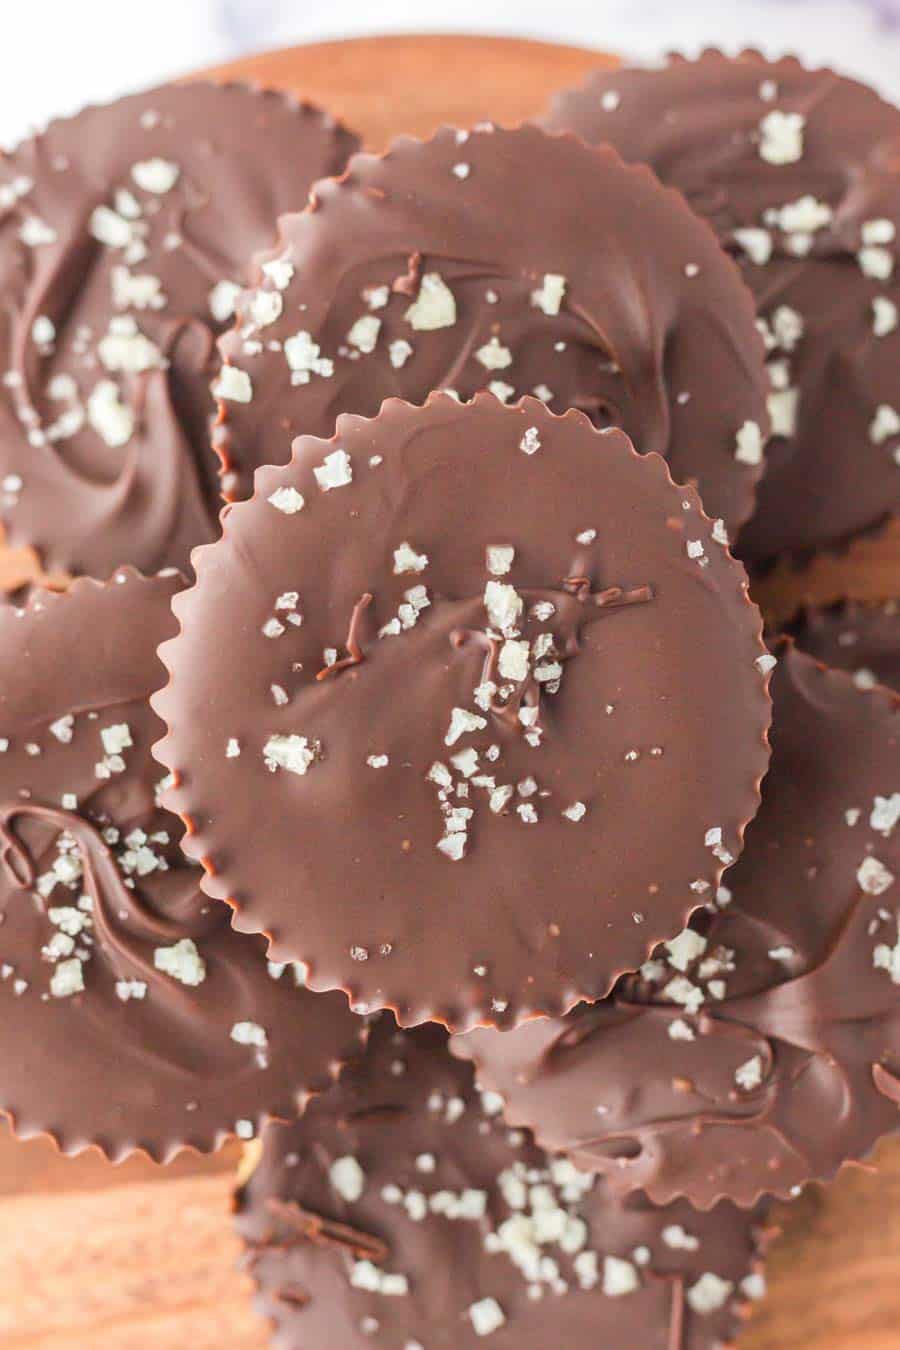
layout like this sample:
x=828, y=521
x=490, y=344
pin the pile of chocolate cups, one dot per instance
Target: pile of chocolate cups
x=396, y=772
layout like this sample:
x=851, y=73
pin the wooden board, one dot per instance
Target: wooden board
x=143, y=1258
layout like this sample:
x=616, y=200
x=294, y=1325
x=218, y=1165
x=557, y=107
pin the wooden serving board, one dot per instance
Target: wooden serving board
x=143, y=1258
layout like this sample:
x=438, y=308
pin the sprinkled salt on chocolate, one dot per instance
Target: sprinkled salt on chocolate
x=482, y=288
x=391, y=1180
x=130, y=986
x=120, y=274
x=781, y=1011
x=803, y=188
x=489, y=694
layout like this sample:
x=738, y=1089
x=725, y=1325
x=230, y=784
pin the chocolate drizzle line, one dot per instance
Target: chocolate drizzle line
x=352, y=643
x=135, y=924
x=327, y=1232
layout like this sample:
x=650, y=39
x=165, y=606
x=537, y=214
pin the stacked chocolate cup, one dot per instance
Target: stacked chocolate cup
x=482, y=859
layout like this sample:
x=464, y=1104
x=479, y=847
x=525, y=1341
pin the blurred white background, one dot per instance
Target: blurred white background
x=59, y=54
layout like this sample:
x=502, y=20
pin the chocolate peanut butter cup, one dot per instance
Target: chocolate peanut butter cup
x=851, y=635
x=125, y=234
x=467, y=711
x=760, y=1049
x=400, y=1212
x=798, y=172
x=513, y=261
x=131, y=1015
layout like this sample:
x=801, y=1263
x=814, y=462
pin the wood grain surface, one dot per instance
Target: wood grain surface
x=143, y=1258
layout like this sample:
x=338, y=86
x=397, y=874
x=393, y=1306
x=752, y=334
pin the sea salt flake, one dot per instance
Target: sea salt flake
x=62, y=729
x=249, y=1033
x=461, y=723
x=805, y=215
x=708, y=1294
x=223, y=300
x=877, y=263
x=112, y=419
x=549, y=296
x=182, y=961
x=347, y=1178
x=887, y=958
x=530, y=442
x=885, y=316
x=749, y=444
x=293, y=753
x=885, y=813
x=109, y=228
x=126, y=990
x=513, y=662
x=336, y=471
x=304, y=358
x=504, y=606
x=288, y=500
x=234, y=385
x=685, y=948
x=434, y=307
x=453, y=845
x=619, y=1277
x=116, y=738
x=885, y=424
x=756, y=243
x=126, y=349
x=501, y=390
x=494, y=356
x=279, y=271
x=881, y=231
x=749, y=1075
x=67, y=979
x=399, y=352
x=34, y=232
x=676, y=1238
x=155, y=175
x=781, y=140
x=364, y=334
x=486, y=1316
x=500, y=559
x=873, y=877
x=407, y=560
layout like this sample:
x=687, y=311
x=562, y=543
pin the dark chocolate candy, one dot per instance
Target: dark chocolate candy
x=509, y=260
x=401, y=1212
x=495, y=702
x=762, y=1048
x=850, y=635
x=131, y=1015
x=798, y=171
x=123, y=234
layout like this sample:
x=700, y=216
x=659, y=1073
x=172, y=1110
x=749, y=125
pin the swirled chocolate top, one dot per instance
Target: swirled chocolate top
x=124, y=233
x=401, y=1212
x=131, y=1015
x=505, y=260
x=488, y=716
x=798, y=171
x=761, y=1048
x=861, y=638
